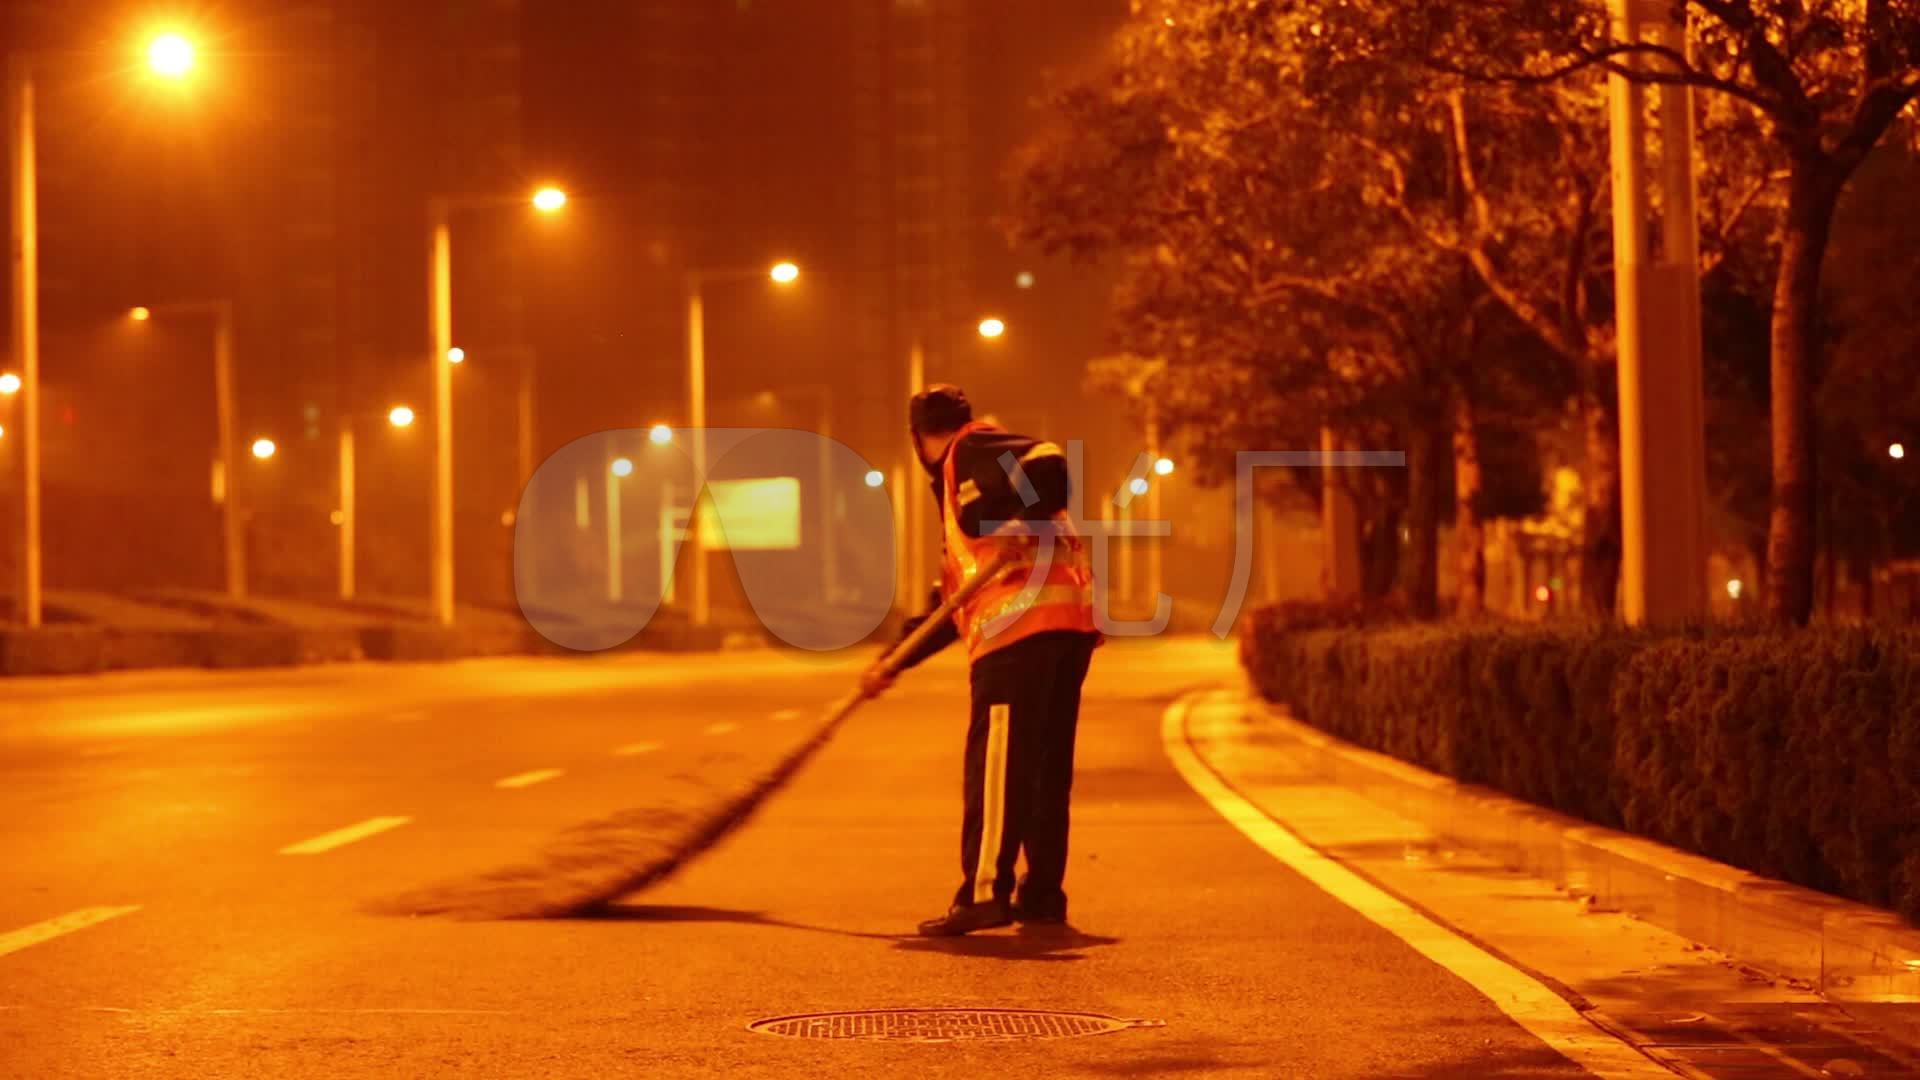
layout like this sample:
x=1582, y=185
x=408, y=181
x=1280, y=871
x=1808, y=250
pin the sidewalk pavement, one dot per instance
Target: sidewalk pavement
x=1678, y=999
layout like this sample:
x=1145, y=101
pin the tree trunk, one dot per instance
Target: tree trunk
x=1861, y=568
x=1810, y=206
x=1469, y=535
x=1423, y=521
x=1600, y=539
x=1380, y=549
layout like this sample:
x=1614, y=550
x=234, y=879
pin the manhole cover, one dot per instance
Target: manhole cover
x=944, y=1025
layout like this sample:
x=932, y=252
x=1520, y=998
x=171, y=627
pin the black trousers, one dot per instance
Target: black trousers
x=1019, y=772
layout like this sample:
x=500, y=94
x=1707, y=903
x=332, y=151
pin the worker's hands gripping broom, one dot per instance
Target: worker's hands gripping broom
x=877, y=679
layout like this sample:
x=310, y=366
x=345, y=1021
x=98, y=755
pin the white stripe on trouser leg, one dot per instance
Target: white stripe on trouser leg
x=993, y=803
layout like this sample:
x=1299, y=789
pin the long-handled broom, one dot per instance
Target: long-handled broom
x=593, y=864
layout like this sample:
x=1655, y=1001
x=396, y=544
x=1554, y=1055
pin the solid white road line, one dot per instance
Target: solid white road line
x=342, y=837
x=528, y=779
x=1524, y=999
x=636, y=749
x=14, y=940
x=724, y=727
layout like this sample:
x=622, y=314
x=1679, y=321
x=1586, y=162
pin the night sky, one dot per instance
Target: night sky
x=292, y=176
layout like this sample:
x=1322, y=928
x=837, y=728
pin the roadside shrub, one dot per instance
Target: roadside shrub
x=1794, y=755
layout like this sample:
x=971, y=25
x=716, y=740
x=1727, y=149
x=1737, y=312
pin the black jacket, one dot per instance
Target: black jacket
x=1003, y=477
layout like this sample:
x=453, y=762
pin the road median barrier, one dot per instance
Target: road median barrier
x=52, y=650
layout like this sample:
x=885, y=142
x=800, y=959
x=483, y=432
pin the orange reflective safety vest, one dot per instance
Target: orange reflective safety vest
x=1024, y=601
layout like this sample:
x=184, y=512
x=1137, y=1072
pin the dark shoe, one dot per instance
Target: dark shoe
x=966, y=918
x=1051, y=911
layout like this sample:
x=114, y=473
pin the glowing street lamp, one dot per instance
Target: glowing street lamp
x=622, y=467
x=170, y=55
x=442, y=357
x=1897, y=451
x=264, y=448
x=1138, y=485
x=9, y=383
x=660, y=435
x=875, y=478
x=1163, y=467
x=400, y=416
x=991, y=328
x=140, y=314
x=783, y=274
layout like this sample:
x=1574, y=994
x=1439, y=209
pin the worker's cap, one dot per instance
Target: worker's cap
x=939, y=408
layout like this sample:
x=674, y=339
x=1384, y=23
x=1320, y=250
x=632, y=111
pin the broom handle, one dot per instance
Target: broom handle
x=892, y=660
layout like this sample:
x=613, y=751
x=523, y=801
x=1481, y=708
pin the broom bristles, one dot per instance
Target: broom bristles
x=591, y=865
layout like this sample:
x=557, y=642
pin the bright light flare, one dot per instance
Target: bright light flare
x=456, y=355
x=875, y=478
x=785, y=273
x=400, y=416
x=549, y=200
x=170, y=55
x=264, y=448
x=1897, y=451
x=660, y=435
x=140, y=314
x=992, y=328
x=9, y=383
x=1735, y=588
x=622, y=467
x=1543, y=594
x=1138, y=485
x=1163, y=467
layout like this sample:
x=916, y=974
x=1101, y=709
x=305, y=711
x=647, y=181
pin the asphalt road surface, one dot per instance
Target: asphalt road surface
x=187, y=857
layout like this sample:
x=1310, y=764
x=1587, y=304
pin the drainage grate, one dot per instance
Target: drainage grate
x=944, y=1025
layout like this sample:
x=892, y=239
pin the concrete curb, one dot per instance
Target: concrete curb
x=1848, y=951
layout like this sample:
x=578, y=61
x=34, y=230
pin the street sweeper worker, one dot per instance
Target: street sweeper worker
x=1029, y=636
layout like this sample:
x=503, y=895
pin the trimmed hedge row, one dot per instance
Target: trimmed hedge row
x=1793, y=755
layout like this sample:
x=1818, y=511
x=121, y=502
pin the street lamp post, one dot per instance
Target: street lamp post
x=1662, y=417
x=913, y=566
x=617, y=470
x=169, y=55
x=232, y=538
x=784, y=273
x=25, y=264
x=400, y=416
x=442, y=356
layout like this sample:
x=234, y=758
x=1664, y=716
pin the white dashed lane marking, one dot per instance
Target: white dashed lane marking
x=528, y=779
x=14, y=940
x=789, y=714
x=636, y=749
x=724, y=727
x=342, y=837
